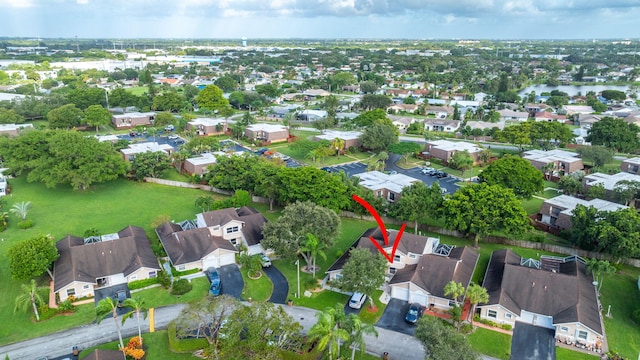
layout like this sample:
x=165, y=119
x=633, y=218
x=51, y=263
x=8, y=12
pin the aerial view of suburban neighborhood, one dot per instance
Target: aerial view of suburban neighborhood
x=258, y=192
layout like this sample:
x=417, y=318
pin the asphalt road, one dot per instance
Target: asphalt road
x=280, y=285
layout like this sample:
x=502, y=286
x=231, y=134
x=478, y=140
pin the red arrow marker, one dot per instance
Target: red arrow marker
x=385, y=236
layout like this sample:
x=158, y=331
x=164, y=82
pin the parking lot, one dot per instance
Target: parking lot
x=160, y=139
x=351, y=168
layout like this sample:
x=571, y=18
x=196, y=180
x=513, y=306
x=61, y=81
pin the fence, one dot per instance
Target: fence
x=182, y=184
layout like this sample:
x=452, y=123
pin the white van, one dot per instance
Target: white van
x=357, y=299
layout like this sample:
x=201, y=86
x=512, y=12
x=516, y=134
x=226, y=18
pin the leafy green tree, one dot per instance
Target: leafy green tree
x=21, y=209
x=570, y=185
x=598, y=155
x=10, y=116
x=312, y=248
x=327, y=332
x=378, y=137
x=235, y=172
x=627, y=191
x=168, y=101
x=226, y=83
x=83, y=97
x=476, y=294
x=266, y=182
x=150, y=164
x=515, y=173
x=105, y=307
x=367, y=118
x=338, y=144
x=454, y=289
x=204, y=203
x=462, y=160
x=597, y=191
x=288, y=235
x=600, y=269
x=96, y=115
x=583, y=233
x=269, y=90
x=357, y=329
x=340, y=79
x=441, y=342
x=311, y=184
x=252, y=263
x=65, y=117
x=615, y=134
x=33, y=257
x=31, y=295
x=163, y=119
x=615, y=95
x=375, y=101
x=210, y=98
x=136, y=307
x=480, y=209
x=417, y=203
x=364, y=273
x=405, y=148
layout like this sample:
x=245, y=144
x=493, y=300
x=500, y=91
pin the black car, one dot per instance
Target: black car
x=261, y=151
x=432, y=172
x=327, y=169
x=413, y=314
x=441, y=174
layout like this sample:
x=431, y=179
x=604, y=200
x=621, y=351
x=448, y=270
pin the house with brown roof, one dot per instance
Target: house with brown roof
x=213, y=239
x=351, y=138
x=554, y=293
x=86, y=264
x=424, y=282
x=131, y=120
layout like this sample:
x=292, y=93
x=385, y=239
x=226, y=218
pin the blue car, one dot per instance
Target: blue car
x=214, y=279
x=413, y=314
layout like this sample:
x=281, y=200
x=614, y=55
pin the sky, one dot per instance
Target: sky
x=361, y=19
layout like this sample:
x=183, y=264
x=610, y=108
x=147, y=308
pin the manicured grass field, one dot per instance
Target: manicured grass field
x=258, y=289
x=491, y=343
x=532, y=206
x=157, y=344
x=138, y=90
x=108, y=207
x=372, y=317
x=566, y=354
x=159, y=296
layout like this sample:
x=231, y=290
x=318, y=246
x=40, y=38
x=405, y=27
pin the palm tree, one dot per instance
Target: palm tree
x=357, y=330
x=338, y=144
x=476, y=295
x=137, y=307
x=454, y=289
x=548, y=169
x=253, y=263
x=31, y=294
x=600, y=269
x=105, y=307
x=327, y=332
x=21, y=209
x=310, y=250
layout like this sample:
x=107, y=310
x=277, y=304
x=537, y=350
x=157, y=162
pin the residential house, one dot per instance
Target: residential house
x=608, y=181
x=510, y=115
x=314, y=93
x=213, y=239
x=484, y=125
x=395, y=108
x=199, y=165
x=351, y=138
x=268, y=133
x=557, y=211
x=445, y=149
x=424, y=282
x=631, y=165
x=564, y=162
x=444, y=125
x=14, y=129
x=130, y=152
x=86, y=264
x=553, y=293
x=312, y=115
x=547, y=116
x=131, y=120
x=209, y=126
x=397, y=93
x=586, y=121
x=465, y=105
x=402, y=122
x=578, y=109
x=479, y=97
x=384, y=185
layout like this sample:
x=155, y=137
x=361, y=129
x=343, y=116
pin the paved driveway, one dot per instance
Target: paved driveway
x=231, y=280
x=280, y=285
x=393, y=318
x=110, y=291
x=532, y=343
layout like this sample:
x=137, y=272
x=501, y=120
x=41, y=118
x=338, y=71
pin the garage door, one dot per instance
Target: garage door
x=418, y=297
x=210, y=262
x=526, y=317
x=227, y=259
x=400, y=293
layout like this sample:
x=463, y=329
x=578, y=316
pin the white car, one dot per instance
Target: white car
x=266, y=262
x=357, y=300
x=427, y=169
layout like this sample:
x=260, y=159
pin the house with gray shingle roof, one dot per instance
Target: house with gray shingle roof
x=86, y=264
x=554, y=293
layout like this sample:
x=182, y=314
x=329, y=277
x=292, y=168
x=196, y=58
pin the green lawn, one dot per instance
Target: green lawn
x=138, y=90
x=373, y=317
x=532, y=206
x=328, y=161
x=159, y=296
x=109, y=207
x=548, y=194
x=157, y=344
x=491, y=343
x=258, y=289
x=566, y=354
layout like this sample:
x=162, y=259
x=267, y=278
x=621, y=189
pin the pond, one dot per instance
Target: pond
x=572, y=90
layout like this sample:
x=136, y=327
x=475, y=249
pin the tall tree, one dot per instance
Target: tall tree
x=210, y=98
x=65, y=117
x=308, y=183
x=136, y=307
x=364, y=273
x=378, y=137
x=105, y=307
x=627, y=191
x=97, y=116
x=454, y=289
x=515, y=173
x=479, y=209
x=287, y=235
x=150, y=164
x=441, y=342
x=600, y=269
x=33, y=257
x=266, y=182
x=615, y=134
x=476, y=294
x=598, y=155
x=327, y=331
x=338, y=144
x=417, y=203
x=462, y=160
x=374, y=101
x=312, y=248
x=357, y=329
x=31, y=295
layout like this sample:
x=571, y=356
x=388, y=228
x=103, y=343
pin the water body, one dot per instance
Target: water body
x=572, y=90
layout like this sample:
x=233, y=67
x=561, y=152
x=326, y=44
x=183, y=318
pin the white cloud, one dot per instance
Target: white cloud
x=82, y=2
x=16, y=3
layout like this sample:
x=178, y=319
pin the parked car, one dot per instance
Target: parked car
x=356, y=300
x=427, y=170
x=413, y=314
x=120, y=297
x=327, y=169
x=432, y=172
x=266, y=262
x=393, y=172
x=443, y=190
x=261, y=151
x=214, y=279
x=172, y=137
x=132, y=134
x=169, y=128
x=441, y=174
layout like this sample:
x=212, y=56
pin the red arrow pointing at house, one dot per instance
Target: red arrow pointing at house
x=385, y=236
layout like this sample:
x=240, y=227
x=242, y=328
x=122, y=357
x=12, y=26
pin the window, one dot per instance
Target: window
x=413, y=256
x=507, y=315
x=133, y=277
x=492, y=314
x=85, y=287
x=71, y=292
x=232, y=229
x=564, y=329
x=582, y=335
x=152, y=274
x=181, y=267
x=396, y=258
x=217, y=227
x=392, y=270
x=392, y=196
x=338, y=276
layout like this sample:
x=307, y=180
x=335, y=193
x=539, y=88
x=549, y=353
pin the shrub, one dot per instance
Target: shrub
x=139, y=284
x=635, y=316
x=506, y=327
x=466, y=328
x=66, y=306
x=536, y=237
x=164, y=279
x=25, y=224
x=181, y=287
x=183, y=345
